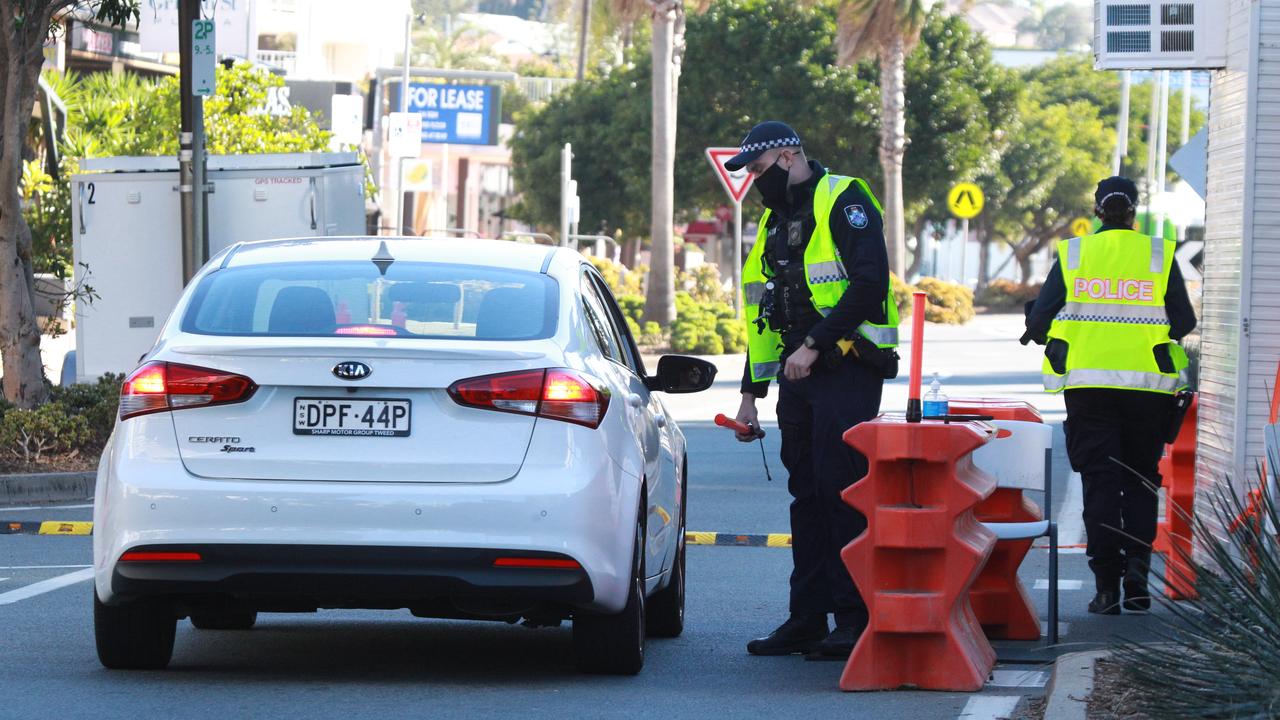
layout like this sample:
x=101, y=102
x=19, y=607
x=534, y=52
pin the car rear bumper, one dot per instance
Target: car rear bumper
x=577, y=504
x=301, y=577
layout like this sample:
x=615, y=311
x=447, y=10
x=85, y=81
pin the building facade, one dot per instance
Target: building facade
x=1240, y=318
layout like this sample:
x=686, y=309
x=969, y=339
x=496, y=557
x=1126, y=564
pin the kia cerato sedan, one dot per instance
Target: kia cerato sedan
x=461, y=428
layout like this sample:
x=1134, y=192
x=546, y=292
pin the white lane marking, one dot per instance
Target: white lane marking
x=44, y=507
x=41, y=567
x=45, y=586
x=990, y=707
x=1071, y=515
x=3, y=579
x=1018, y=678
x=1043, y=584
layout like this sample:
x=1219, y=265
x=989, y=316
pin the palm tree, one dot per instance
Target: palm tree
x=667, y=51
x=888, y=29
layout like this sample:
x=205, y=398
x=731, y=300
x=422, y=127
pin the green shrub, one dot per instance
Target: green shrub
x=28, y=435
x=1003, y=294
x=632, y=306
x=705, y=328
x=704, y=285
x=619, y=279
x=98, y=403
x=652, y=335
x=901, y=294
x=949, y=303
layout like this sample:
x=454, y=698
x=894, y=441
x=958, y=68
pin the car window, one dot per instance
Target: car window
x=631, y=354
x=423, y=300
x=598, y=319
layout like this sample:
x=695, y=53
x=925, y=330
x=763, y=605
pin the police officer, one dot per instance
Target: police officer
x=1110, y=315
x=822, y=321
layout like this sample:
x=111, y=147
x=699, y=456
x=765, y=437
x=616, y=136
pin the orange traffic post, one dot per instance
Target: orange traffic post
x=921, y=552
x=1000, y=600
x=1173, y=533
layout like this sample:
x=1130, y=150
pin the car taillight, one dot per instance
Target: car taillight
x=144, y=556
x=555, y=393
x=367, y=330
x=159, y=386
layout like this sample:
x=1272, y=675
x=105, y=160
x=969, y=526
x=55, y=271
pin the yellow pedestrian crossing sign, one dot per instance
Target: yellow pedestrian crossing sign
x=965, y=200
x=1081, y=227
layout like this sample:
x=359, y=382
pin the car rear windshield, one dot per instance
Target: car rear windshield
x=423, y=300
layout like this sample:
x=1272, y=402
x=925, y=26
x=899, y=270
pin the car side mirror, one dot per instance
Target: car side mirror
x=681, y=374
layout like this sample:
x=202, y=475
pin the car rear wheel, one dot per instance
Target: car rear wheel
x=666, y=607
x=614, y=644
x=134, y=636
x=224, y=620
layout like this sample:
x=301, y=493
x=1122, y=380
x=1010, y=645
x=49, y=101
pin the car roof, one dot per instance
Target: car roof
x=490, y=253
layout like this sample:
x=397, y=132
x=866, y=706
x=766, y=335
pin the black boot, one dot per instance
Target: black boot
x=839, y=644
x=1137, y=598
x=795, y=636
x=1106, y=578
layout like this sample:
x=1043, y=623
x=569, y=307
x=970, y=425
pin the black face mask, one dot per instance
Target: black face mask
x=772, y=185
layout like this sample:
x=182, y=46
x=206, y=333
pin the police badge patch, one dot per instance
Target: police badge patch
x=857, y=216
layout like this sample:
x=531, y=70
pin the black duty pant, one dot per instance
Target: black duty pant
x=812, y=415
x=1114, y=440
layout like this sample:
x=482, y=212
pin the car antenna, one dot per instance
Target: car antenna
x=383, y=258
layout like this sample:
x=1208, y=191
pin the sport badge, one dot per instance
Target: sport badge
x=857, y=216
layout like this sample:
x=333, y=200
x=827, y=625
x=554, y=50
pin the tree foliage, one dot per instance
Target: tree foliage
x=958, y=101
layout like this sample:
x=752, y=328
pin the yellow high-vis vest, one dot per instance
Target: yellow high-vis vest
x=1114, y=323
x=824, y=274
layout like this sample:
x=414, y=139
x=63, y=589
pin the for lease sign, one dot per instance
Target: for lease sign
x=456, y=114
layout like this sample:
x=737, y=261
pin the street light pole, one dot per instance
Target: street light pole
x=404, y=107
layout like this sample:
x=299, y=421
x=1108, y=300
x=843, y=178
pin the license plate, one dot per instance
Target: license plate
x=334, y=416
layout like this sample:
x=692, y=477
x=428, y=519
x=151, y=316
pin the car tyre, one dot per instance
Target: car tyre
x=665, y=616
x=225, y=620
x=134, y=636
x=614, y=644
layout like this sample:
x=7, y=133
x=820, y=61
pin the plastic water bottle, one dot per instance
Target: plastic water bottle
x=935, y=403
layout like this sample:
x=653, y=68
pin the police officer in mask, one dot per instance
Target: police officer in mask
x=1109, y=315
x=822, y=321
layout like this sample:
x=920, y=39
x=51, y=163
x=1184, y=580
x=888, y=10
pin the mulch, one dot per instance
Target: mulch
x=1112, y=697
x=70, y=462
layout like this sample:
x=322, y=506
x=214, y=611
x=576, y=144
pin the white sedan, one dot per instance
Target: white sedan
x=461, y=428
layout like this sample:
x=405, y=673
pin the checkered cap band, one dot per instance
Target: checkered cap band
x=792, y=141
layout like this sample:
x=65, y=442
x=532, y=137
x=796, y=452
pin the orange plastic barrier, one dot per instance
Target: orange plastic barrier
x=1173, y=533
x=999, y=598
x=920, y=554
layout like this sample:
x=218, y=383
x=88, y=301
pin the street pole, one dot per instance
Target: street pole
x=190, y=148
x=737, y=255
x=1153, y=127
x=404, y=107
x=583, y=37
x=566, y=174
x=1122, y=125
x=1162, y=152
x=964, y=249
x=1186, y=107
x=444, y=148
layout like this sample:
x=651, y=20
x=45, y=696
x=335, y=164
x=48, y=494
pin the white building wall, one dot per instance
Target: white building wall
x=1263, y=263
x=1226, y=203
x=1241, y=314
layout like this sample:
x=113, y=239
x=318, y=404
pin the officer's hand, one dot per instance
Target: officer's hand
x=747, y=416
x=799, y=363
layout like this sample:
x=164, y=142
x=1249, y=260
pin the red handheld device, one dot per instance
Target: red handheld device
x=726, y=422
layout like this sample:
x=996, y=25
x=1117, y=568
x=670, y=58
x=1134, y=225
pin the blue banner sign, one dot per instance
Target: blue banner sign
x=456, y=114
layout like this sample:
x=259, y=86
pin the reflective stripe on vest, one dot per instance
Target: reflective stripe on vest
x=753, y=292
x=1113, y=312
x=1120, y=379
x=878, y=334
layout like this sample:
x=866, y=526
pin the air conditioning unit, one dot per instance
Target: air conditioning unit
x=1159, y=34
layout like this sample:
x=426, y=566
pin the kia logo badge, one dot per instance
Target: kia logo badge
x=352, y=370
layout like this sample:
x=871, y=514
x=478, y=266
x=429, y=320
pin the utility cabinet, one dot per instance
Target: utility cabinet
x=127, y=238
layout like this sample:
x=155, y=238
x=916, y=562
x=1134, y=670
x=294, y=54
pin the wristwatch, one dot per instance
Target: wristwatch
x=810, y=343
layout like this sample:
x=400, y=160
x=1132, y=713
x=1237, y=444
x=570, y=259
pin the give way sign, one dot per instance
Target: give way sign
x=736, y=182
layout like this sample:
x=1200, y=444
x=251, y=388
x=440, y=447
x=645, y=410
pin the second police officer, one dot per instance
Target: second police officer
x=821, y=319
